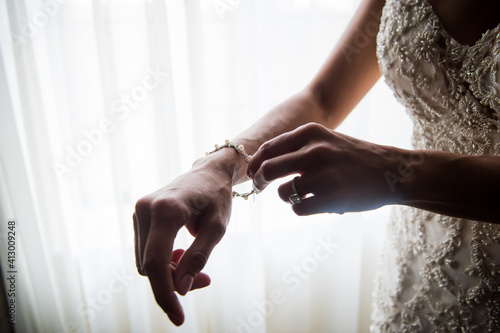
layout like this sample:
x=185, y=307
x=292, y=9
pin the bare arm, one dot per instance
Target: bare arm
x=200, y=200
x=454, y=185
x=348, y=74
x=340, y=174
x=446, y=183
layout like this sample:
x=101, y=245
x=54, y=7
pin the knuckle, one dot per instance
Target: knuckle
x=318, y=151
x=152, y=264
x=165, y=206
x=267, y=170
x=265, y=148
x=198, y=260
x=312, y=129
x=142, y=205
x=217, y=230
x=171, y=209
x=162, y=204
x=304, y=130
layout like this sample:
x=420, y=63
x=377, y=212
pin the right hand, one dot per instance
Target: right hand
x=201, y=201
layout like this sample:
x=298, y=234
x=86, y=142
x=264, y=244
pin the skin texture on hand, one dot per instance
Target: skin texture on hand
x=199, y=200
x=338, y=173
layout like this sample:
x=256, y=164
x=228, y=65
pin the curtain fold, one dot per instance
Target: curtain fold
x=103, y=102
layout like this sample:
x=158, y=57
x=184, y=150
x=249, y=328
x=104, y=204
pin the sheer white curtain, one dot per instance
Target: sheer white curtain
x=105, y=101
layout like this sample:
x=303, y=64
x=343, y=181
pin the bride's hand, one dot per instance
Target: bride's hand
x=200, y=200
x=338, y=173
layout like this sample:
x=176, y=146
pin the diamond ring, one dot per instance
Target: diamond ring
x=295, y=198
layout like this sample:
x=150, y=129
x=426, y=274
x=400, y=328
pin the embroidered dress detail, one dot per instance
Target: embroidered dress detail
x=438, y=273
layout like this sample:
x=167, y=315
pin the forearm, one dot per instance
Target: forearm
x=344, y=79
x=452, y=184
x=299, y=109
x=347, y=75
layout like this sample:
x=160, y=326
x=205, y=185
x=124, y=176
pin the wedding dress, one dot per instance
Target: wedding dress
x=438, y=273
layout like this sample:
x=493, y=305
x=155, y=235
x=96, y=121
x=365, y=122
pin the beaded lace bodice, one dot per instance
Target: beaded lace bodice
x=437, y=273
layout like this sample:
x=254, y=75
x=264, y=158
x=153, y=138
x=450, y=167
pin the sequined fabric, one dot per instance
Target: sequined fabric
x=437, y=273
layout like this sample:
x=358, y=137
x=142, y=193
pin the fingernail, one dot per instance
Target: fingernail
x=176, y=318
x=186, y=284
x=258, y=180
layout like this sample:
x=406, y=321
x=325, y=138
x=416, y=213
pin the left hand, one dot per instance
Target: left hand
x=338, y=173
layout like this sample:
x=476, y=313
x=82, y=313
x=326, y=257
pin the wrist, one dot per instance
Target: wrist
x=413, y=176
x=227, y=161
x=403, y=169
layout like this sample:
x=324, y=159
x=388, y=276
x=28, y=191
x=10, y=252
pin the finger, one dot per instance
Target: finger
x=280, y=145
x=137, y=251
x=287, y=143
x=142, y=223
x=201, y=281
x=156, y=264
x=324, y=198
x=318, y=204
x=176, y=256
x=302, y=185
x=284, y=165
x=196, y=256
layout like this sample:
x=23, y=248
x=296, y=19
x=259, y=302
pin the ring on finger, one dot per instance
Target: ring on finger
x=295, y=198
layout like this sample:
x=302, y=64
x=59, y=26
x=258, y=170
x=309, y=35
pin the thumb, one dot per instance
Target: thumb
x=201, y=281
x=196, y=256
